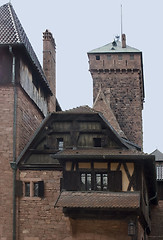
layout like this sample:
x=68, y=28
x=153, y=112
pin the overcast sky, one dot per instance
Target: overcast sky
x=79, y=26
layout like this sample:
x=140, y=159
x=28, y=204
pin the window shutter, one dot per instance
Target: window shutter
x=41, y=189
x=115, y=181
x=71, y=181
x=19, y=188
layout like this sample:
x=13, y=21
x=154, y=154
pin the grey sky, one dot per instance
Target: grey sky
x=79, y=26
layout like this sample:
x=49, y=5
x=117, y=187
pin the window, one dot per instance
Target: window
x=131, y=56
x=120, y=57
x=60, y=143
x=109, y=57
x=97, y=57
x=86, y=181
x=101, y=181
x=34, y=189
x=97, y=142
x=159, y=172
x=27, y=189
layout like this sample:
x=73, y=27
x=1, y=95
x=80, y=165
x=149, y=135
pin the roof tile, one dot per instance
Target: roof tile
x=71, y=199
x=12, y=32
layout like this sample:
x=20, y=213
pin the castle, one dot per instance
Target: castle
x=75, y=174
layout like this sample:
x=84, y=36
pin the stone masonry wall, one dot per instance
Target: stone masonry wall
x=126, y=93
x=157, y=222
x=39, y=220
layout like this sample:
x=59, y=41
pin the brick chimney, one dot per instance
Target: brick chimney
x=49, y=66
x=123, y=40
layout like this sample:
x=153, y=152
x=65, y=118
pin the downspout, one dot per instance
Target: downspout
x=13, y=163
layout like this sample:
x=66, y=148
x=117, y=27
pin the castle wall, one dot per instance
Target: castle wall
x=126, y=90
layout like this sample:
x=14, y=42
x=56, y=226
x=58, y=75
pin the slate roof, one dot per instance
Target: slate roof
x=105, y=200
x=114, y=47
x=12, y=33
x=158, y=155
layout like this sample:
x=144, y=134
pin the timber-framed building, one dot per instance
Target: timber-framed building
x=75, y=174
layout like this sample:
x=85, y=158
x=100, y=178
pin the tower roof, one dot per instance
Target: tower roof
x=158, y=155
x=115, y=47
x=12, y=33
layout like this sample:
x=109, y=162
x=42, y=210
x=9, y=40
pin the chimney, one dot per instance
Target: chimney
x=49, y=66
x=123, y=40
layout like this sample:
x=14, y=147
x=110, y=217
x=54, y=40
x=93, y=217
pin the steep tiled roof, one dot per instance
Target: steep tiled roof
x=12, y=33
x=82, y=109
x=115, y=47
x=105, y=200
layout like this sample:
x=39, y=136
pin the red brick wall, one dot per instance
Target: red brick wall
x=125, y=88
x=39, y=220
x=29, y=119
x=6, y=150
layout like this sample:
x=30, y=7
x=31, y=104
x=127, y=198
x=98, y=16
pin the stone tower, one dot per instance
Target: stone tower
x=119, y=68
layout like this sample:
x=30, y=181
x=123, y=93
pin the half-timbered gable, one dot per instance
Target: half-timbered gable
x=99, y=171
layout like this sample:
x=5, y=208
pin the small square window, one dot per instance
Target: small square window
x=120, y=57
x=131, y=56
x=97, y=142
x=97, y=57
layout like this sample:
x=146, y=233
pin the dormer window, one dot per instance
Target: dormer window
x=97, y=142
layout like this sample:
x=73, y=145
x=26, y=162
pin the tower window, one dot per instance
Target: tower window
x=120, y=57
x=131, y=56
x=109, y=57
x=97, y=142
x=97, y=57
